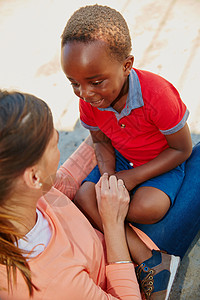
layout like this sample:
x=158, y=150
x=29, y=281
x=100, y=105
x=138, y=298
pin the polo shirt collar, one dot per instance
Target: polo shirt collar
x=134, y=99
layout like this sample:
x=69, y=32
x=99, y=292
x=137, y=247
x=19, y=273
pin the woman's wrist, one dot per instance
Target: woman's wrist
x=116, y=245
x=111, y=225
x=120, y=262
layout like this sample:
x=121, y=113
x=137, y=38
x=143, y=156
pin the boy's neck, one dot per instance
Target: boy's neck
x=119, y=102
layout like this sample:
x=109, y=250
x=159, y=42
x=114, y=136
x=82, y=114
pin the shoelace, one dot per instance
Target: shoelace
x=146, y=284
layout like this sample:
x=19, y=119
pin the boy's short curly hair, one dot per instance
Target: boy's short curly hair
x=97, y=22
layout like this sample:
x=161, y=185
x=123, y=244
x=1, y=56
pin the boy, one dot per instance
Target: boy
x=136, y=119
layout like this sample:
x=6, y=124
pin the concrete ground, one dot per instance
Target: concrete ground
x=166, y=40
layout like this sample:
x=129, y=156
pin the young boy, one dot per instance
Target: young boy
x=136, y=119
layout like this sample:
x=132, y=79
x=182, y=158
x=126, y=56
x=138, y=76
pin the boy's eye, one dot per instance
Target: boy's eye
x=74, y=84
x=97, y=82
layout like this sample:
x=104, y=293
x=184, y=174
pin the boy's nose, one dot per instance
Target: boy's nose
x=86, y=93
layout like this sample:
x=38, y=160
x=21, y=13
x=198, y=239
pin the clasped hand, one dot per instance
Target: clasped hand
x=112, y=199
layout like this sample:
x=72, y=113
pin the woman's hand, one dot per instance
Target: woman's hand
x=113, y=202
x=112, y=199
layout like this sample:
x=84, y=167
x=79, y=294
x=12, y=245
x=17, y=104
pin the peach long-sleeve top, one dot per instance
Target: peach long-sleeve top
x=73, y=265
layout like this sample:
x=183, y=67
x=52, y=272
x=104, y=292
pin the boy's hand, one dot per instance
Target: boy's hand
x=128, y=178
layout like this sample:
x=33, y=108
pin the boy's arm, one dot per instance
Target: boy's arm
x=180, y=148
x=104, y=151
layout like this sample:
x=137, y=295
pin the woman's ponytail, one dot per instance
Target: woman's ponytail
x=11, y=256
x=26, y=126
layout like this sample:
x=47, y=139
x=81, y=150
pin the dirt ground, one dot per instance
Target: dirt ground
x=166, y=41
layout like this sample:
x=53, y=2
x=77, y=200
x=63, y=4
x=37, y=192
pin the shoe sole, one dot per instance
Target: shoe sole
x=175, y=262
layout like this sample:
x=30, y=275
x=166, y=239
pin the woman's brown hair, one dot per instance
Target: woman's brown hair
x=26, y=127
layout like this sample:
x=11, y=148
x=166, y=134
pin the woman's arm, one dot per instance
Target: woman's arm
x=104, y=151
x=180, y=148
x=121, y=285
x=113, y=202
x=76, y=283
x=75, y=169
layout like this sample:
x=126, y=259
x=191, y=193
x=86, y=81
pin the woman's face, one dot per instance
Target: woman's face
x=48, y=164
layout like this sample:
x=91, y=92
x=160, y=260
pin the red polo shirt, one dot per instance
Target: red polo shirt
x=153, y=109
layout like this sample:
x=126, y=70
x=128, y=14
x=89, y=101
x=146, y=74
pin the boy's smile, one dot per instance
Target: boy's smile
x=95, y=76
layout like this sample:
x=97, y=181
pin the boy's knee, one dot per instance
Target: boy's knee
x=142, y=214
x=146, y=209
x=79, y=197
x=84, y=194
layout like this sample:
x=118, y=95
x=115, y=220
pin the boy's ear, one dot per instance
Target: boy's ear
x=128, y=64
x=31, y=178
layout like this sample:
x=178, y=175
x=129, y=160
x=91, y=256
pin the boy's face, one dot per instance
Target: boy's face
x=95, y=76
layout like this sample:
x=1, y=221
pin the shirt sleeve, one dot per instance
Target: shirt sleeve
x=75, y=169
x=87, y=116
x=168, y=112
x=121, y=281
x=126, y=288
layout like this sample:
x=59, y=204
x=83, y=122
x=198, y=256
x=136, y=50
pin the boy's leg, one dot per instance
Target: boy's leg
x=85, y=200
x=154, y=261
x=148, y=205
x=88, y=205
x=155, y=271
x=176, y=231
x=152, y=199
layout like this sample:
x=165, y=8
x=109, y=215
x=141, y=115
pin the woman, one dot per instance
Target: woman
x=48, y=249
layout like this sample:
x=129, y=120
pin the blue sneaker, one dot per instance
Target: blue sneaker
x=156, y=275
